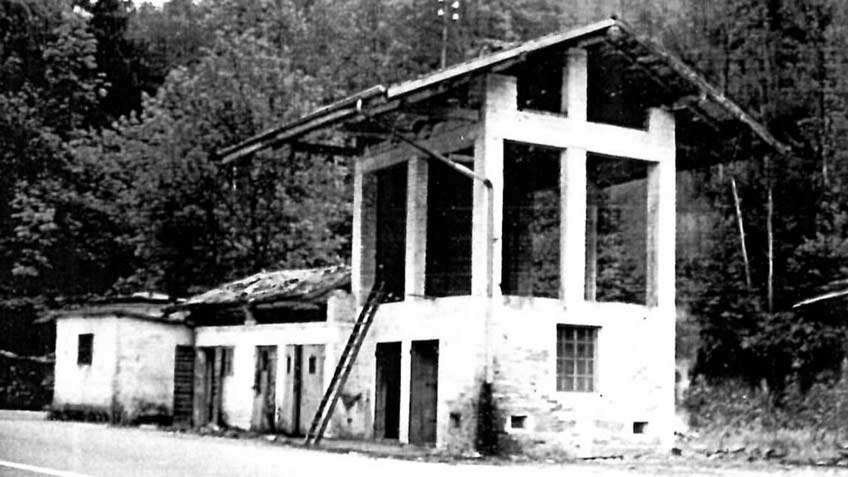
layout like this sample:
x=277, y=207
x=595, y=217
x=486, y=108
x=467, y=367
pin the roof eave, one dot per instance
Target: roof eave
x=350, y=107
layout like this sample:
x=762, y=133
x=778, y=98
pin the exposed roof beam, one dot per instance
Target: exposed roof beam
x=328, y=149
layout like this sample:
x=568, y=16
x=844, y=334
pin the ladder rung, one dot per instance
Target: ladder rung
x=345, y=364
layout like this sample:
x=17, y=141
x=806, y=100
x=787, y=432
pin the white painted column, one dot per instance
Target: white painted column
x=501, y=102
x=662, y=209
x=364, y=234
x=660, y=279
x=573, y=186
x=416, y=226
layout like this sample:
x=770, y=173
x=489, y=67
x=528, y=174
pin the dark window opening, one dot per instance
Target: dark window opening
x=616, y=229
x=391, y=229
x=85, y=345
x=616, y=94
x=531, y=221
x=540, y=84
x=448, y=257
x=639, y=427
x=288, y=364
x=517, y=422
x=312, y=365
x=455, y=420
x=576, y=355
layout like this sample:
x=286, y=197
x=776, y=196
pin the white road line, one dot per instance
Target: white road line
x=40, y=470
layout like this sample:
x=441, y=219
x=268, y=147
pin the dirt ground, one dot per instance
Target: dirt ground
x=72, y=449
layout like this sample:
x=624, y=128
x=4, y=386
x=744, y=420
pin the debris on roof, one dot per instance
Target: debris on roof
x=303, y=285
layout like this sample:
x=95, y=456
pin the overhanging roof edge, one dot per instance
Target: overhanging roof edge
x=346, y=108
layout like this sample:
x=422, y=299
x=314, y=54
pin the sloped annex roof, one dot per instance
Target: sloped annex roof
x=702, y=99
x=303, y=285
x=148, y=306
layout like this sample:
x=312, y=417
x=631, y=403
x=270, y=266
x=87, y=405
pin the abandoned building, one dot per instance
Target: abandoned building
x=115, y=359
x=514, y=230
x=262, y=347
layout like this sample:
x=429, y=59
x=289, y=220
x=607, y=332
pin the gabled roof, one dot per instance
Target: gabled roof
x=703, y=99
x=304, y=285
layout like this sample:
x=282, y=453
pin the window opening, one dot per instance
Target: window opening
x=85, y=345
x=391, y=229
x=531, y=221
x=616, y=229
x=576, y=356
x=449, y=210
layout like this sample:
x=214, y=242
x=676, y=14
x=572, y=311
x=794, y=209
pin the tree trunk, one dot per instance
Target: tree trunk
x=770, y=238
x=738, y=205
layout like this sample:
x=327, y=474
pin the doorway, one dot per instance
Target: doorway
x=387, y=398
x=207, y=383
x=304, y=387
x=423, y=392
x=264, y=384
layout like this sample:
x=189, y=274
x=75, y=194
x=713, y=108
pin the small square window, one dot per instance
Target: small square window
x=85, y=344
x=575, y=366
x=639, y=427
x=455, y=420
x=517, y=422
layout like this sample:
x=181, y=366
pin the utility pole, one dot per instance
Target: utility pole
x=447, y=17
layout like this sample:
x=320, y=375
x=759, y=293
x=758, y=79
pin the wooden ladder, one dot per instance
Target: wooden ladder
x=343, y=367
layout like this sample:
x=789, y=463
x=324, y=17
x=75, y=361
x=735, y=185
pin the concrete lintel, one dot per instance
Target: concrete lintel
x=564, y=132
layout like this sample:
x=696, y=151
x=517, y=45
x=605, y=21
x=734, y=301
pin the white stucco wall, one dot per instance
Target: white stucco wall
x=146, y=365
x=458, y=324
x=238, y=393
x=631, y=381
x=88, y=385
x=132, y=364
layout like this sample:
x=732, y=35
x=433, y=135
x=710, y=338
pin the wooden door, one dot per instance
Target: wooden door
x=312, y=383
x=264, y=402
x=423, y=392
x=290, y=402
x=387, y=395
x=203, y=386
x=183, y=385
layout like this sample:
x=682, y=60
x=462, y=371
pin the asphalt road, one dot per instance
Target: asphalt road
x=31, y=448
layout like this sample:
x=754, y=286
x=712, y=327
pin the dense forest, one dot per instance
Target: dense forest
x=110, y=114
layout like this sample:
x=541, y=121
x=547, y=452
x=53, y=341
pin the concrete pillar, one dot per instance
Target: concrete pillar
x=573, y=226
x=661, y=213
x=501, y=103
x=575, y=84
x=660, y=275
x=364, y=234
x=416, y=226
x=573, y=185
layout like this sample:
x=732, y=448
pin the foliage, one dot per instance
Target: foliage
x=110, y=115
x=805, y=426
